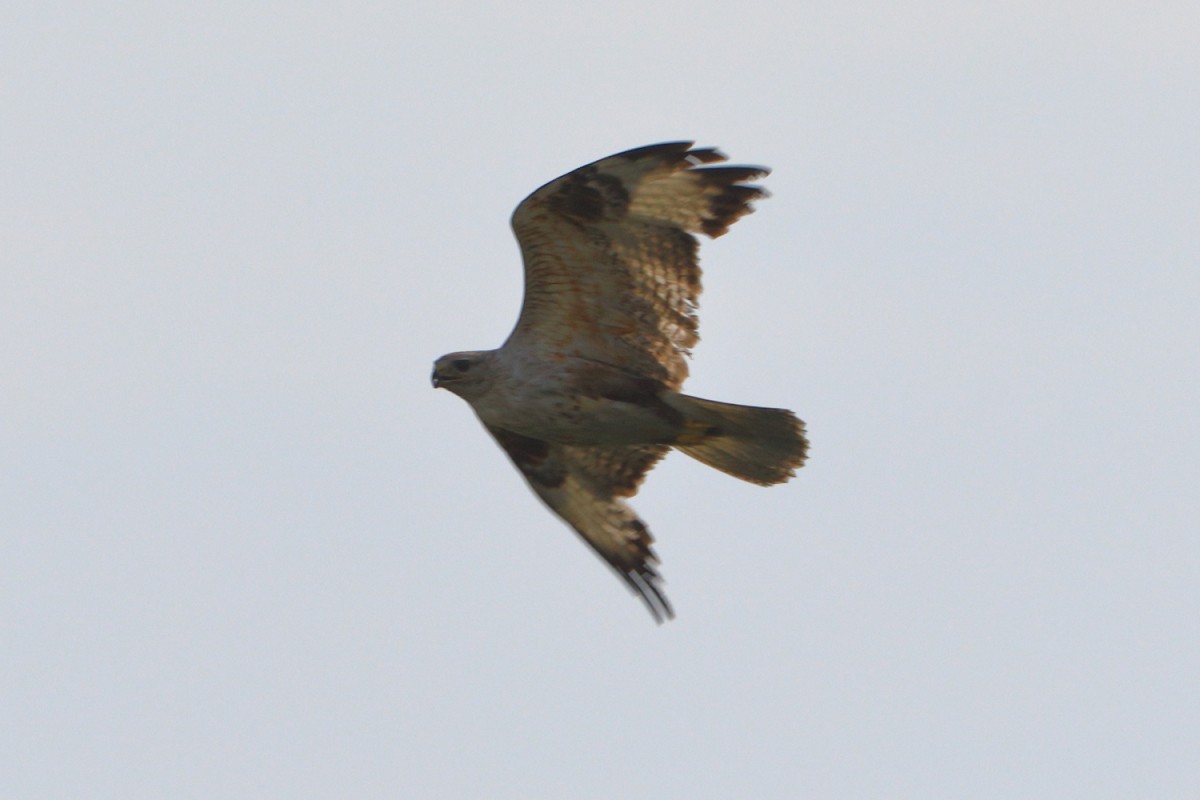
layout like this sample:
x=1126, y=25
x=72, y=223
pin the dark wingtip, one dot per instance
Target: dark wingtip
x=646, y=584
x=734, y=198
x=677, y=150
x=706, y=155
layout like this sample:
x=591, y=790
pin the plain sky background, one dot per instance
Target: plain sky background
x=248, y=552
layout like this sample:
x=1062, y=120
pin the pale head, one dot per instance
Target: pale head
x=465, y=374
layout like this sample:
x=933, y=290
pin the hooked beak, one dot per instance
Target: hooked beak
x=436, y=379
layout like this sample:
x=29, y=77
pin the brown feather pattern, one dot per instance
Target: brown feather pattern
x=583, y=486
x=611, y=268
x=612, y=284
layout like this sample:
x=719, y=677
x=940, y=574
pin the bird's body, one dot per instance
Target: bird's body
x=541, y=397
x=584, y=395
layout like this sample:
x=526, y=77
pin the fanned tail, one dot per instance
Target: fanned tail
x=761, y=445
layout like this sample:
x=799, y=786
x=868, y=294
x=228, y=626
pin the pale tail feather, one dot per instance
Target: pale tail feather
x=760, y=445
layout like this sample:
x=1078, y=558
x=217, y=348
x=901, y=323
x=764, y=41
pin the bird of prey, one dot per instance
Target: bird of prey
x=584, y=395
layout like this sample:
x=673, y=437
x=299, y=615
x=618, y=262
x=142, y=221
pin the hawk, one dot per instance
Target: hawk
x=584, y=394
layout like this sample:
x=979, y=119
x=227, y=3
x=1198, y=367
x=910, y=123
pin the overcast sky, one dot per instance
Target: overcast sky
x=246, y=551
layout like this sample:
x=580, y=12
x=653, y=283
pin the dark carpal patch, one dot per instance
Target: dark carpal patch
x=590, y=196
x=532, y=457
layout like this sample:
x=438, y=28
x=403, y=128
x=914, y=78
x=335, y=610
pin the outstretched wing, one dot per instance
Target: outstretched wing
x=610, y=260
x=584, y=487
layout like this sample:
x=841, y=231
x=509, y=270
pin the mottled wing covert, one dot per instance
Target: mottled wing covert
x=583, y=486
x=611, y=271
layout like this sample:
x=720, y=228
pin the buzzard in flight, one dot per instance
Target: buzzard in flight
x=584, y=395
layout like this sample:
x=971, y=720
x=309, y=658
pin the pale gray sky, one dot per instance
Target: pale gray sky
x=247, y=551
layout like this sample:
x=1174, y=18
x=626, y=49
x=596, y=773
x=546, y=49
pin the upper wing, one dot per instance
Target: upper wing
x=610, y=260
x=583, y=486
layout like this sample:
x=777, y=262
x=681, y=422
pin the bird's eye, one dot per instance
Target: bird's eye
x=461, y=364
